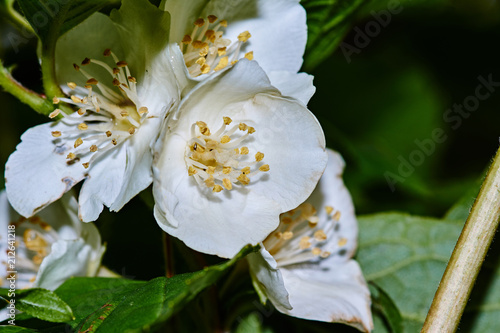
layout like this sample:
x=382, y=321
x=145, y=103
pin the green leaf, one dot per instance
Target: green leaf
x=15, y=329
x=121, y=305
x=51, y=19
x=42, y=304
x=327, y=21
x=406, y=256
x=382, y=303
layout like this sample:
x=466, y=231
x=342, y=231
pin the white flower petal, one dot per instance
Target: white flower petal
x=67, y=258
x=293, y=143
x=278, y=28
x=297, y=85
x=208, y=222
x=264, y=271
x=37, y=173
x=337, y=294
x=331, y=191
x=104, y=183
x=222, y=223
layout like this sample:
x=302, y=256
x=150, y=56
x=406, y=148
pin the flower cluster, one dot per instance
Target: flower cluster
x=204, y=103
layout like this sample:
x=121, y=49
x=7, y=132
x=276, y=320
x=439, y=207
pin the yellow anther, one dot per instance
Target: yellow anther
x=226, y=170
x=243, y=127
x=92, y=81
x=186, y=39
x=55, y=100
x=320, y=235
x=132, y=79
x=244, y=36
x=234, y=62
x=116, y=71
x=54, y=113
x=223, y=23
x=244, y=150
x=86, y=165
x=236, y=151
x=221, y=51
x=93, y=148
x=211, y=170
x=227, y=184
x=76, y=99
x=316, y=251
x=329, y=209
x=121, y=63
x=251, y=130
x=212, y=18
x=56, y=134
x=81, y=111
x=305, y=243
x=264, y=168
x=222, y=63
x=192, y=171
x=131, y=130
x=342, y=242
x=249, y=55
x=201, y=61
x=199, y=22
x=243, y=179
x=217, y=188
x=143, y=110
x=124, y=114
x=82, y=127
x=278, y=235
x=107, y=52
x=325, y=254
x=85, y=62
x=245, y=170
x=201, y=124
x=259, y=156
x=108, y=133
x=210, y=181
x=78, y=142
x=227, y=120
x=225, y=139
x=336, y=216
x=114, y=142
x=205, y=69
x=287, y=235
x=286, y=219
x=88, y=86
x=197, y=44
x=209, y=34
x=76, y=67
x=70, y=156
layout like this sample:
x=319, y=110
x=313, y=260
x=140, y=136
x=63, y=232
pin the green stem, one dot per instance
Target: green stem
x=25, y=95
x=467, y=257
x=168, y=255
x=14, y=17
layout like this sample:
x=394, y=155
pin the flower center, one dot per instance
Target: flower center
x=105, y=117
x=206, y=51
x=298, y=238
x=33, y=247
x=219, y=160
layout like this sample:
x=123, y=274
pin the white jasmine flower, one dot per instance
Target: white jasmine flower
x=122, y=90
x=215, y=34
x=50, y=247
x=305, y=268
x=239, y=155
